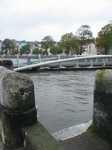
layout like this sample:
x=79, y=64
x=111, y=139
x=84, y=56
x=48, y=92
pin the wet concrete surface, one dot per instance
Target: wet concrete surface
x=38, y=138
x=86, y=141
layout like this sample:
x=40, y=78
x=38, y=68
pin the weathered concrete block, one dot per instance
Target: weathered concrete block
x=17, y=96
x=17, y=105
x=103, y=103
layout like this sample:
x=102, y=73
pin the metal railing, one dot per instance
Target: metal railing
x=74, y=62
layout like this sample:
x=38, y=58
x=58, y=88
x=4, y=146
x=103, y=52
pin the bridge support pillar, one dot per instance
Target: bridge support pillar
x=77, y=64
x=91, y=63
x=59, y=57
x=39, y=57
x=104, y=62
x=102, y=119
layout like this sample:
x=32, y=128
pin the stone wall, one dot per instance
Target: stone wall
x=102, y=118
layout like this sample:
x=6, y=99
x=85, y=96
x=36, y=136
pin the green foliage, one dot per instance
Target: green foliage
x=85, y=36
x=84, y=33
x=104, y=39
x=37, y=51
x=25, y=49
x=47, y=42
x=69, y=43
x=56, y=50
x=9, y=46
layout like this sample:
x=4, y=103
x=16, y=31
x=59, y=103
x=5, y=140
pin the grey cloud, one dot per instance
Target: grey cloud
x=16, y=24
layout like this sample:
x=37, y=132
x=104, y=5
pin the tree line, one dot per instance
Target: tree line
x=68, y=44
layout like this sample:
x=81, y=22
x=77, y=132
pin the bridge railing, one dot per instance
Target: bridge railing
x=19, y=62
x=75, y=62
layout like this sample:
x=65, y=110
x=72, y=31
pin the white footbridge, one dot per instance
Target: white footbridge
x=80, y=62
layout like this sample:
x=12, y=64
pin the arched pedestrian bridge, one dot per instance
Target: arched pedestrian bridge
x=82, y=62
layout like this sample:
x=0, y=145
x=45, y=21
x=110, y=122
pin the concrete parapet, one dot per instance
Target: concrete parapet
x=19, y=127
x=17, y=106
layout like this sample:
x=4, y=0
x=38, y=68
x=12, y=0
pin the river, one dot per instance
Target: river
x=64, y=98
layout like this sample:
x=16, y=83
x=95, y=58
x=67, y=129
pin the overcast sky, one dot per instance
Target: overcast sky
x=34, y=19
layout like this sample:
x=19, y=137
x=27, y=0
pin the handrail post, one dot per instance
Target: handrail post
x=39, y=56
x=17, y=59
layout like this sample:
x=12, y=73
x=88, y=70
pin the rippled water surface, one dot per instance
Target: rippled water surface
x=64, y=98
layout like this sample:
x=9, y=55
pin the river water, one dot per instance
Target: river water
x=64, y=99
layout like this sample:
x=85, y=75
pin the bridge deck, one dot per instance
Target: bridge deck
x=95, y=61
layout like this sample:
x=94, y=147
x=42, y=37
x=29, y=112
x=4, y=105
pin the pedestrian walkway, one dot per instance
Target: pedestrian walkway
x=86, y=141
x=39, y=139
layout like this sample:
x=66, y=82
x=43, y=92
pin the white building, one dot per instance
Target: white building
x=90, y=49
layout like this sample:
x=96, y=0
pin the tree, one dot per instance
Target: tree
x=9, y=46
x=56, y=49
x=47, y=42
x=104, y=39
x=37, y=51
x=85, y=36
x=69, y=43
x=25, y=49
x=85, y=33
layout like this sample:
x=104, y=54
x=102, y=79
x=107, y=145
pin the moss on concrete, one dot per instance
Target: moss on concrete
x=103, y=79
x=100, y=74
x=40, y=139
x=102, y=119
x=92, y=129
x=100, y=80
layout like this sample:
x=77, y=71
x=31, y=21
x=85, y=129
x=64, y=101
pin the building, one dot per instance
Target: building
x=90, y=49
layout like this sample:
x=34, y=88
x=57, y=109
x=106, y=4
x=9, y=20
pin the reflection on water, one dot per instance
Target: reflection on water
x=65, y=99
